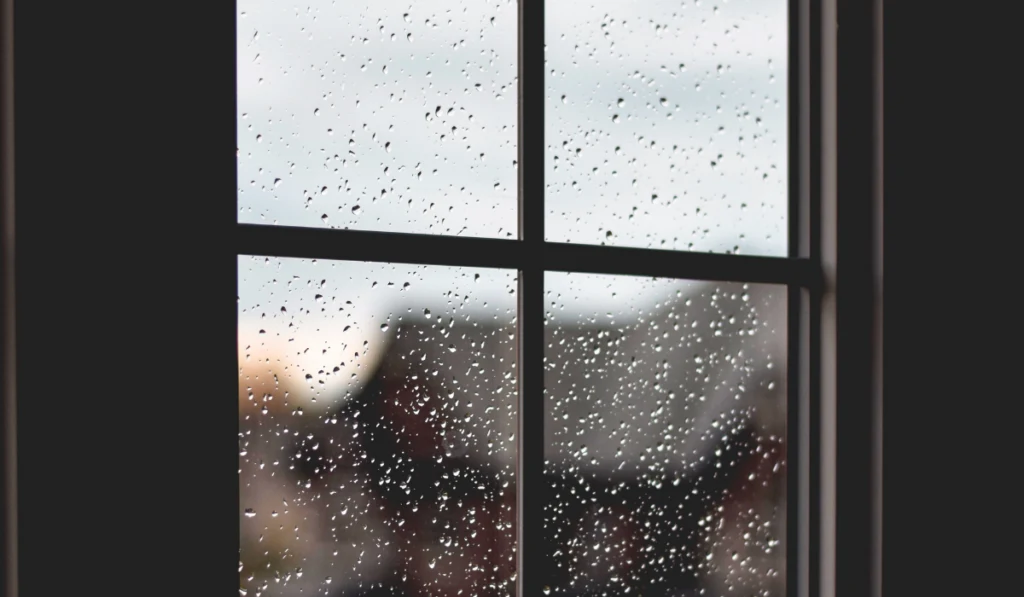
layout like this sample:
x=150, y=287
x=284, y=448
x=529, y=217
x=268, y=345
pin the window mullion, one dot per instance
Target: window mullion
x=531, y=495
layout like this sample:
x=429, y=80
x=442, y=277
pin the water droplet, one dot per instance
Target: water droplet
x=355, y=210
x=383, y=327
x=249, y=513
x=615, y=119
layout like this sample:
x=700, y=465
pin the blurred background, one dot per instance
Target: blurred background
x=377, y=418
x=377, y=402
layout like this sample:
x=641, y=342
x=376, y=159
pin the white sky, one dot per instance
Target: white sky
x=401, y=116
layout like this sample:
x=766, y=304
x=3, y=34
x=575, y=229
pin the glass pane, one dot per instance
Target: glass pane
x=664, y=437
x=377, y=410
x=666, y=124
x=378, y=114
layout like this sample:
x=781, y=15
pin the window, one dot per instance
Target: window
x=532, y=322
x=570, y=396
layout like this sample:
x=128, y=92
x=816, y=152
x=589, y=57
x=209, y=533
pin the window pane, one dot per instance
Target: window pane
x=377, y=410
x=666, y=124
x=664, y=437
x=378, y=114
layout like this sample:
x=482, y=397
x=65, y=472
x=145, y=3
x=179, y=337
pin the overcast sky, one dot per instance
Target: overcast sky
x=666, y=127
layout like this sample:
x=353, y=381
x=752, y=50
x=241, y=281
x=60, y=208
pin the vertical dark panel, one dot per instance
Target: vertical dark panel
x=8, y=414
x=858, y=244
x=796, y=446
x=804, y=337
x=125, y=186
x=951, y=435
x=812, y=312
x=531, y=123
x=530, y=483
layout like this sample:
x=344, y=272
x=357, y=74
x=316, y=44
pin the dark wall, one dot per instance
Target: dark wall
x=951, y=185
x=125, y=295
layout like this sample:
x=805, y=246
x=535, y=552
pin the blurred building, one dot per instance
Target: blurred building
x=664, y=438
